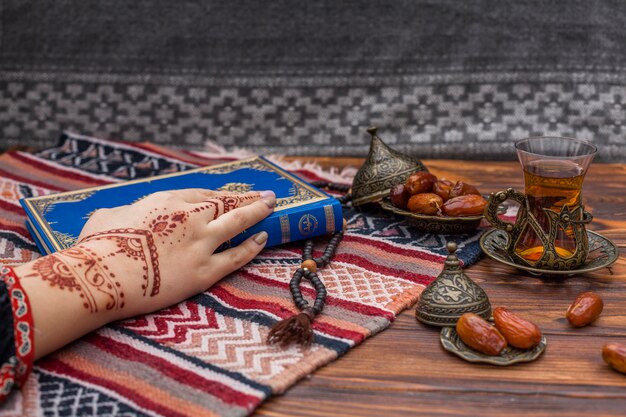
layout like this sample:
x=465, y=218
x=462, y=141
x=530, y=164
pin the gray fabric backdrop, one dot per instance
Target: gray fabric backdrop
x=441, y=78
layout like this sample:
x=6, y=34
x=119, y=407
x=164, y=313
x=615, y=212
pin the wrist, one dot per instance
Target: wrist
x=84, y=277
x=111, y=275
x=127, y=269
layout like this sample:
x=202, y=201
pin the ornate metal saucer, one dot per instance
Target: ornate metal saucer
x=434, y=224
x=451, y=342
x=602, y=253
x=383, y=168
x=451, y=295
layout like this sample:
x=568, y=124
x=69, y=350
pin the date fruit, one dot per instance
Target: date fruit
x=476, y=333
x=442, y=188
x=465, y=205
x=585, y=309
x=399, y=196
x=615, y=355
x=420, y=182
x=462, y=188
x=517, y=331
x=425, y=203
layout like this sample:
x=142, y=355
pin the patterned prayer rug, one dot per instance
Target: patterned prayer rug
x=207, y=356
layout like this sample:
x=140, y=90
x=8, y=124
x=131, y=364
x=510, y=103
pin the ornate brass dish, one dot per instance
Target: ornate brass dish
x=383, y=168
x=602, y=253
x=434, y=224
x=451, y=342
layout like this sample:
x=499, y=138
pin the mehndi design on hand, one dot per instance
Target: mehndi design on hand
x=79, y=269
x=139, y=246
x=92, y=275
x=223, y=204
x=164, y=224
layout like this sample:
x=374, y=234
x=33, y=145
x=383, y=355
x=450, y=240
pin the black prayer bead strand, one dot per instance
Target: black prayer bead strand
x=342, y=188
x=345, y=198
x=320, y=289
x=307, y=253
x=294, y=287
x=330, y=250
x=318, y=285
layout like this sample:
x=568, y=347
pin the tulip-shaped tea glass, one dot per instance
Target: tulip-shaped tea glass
x=549, y=231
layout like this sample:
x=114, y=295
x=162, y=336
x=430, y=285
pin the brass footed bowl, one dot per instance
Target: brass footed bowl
x=435, y=224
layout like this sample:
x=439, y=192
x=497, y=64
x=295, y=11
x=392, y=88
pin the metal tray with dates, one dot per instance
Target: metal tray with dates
x=451, y=342
x=433, y=223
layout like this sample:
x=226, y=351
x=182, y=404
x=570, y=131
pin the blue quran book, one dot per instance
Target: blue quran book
x=302, y=211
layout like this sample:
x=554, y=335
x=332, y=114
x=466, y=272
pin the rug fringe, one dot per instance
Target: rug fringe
x=333, y=174
x=213, y=149
x=344, y=176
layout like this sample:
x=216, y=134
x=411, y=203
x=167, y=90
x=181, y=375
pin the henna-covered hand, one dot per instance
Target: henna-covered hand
x=148, y=255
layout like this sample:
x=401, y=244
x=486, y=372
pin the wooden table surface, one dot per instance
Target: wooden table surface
x=405, y=371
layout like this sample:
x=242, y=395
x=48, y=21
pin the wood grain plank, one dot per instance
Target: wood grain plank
x=404, y=370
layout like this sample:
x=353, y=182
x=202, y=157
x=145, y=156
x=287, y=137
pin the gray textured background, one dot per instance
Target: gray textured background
x=441, y=78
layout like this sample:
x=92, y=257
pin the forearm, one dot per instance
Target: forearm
x=73, y=292
x=130, y=260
